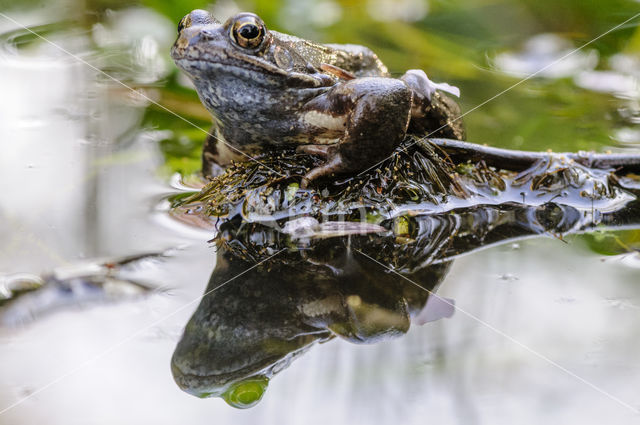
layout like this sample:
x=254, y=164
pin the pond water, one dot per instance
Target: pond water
x=544, y=328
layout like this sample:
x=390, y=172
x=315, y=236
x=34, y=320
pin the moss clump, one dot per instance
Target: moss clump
x=268, y=190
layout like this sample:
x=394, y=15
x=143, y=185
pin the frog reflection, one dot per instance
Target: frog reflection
x=248, y=327
x=253, y=327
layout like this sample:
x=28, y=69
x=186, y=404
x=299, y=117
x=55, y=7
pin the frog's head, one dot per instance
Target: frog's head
x=238, y=54
x=206, y=48
x=240, y=335
x=231, y=362
x=203, y=38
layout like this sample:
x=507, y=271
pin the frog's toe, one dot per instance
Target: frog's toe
x=318, y=150
x=422, y=86
x=334, y=165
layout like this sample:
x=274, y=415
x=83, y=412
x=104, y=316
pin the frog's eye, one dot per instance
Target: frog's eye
x=184, y=23
x=247, y=30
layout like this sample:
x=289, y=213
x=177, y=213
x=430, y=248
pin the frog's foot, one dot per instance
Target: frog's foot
x=329, y=167
x=326, y=152
x=432, y=112
x=422, y=86
x=334, y=165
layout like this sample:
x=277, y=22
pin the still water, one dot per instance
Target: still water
x=545, y=328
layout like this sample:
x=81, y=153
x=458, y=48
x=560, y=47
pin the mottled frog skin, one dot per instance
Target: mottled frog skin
x=268, y=90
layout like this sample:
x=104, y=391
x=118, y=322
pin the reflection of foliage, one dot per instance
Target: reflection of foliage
x=613, y=242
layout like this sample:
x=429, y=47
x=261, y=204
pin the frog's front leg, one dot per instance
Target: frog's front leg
x=432, y=112
x=369, y=116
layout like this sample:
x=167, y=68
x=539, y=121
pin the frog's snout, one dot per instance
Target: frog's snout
x=194, y=27
x=187, y=36
x=193, y=40
x=195, y=18
x=192, y=37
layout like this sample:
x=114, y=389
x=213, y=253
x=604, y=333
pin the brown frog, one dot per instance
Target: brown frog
x=267, y=90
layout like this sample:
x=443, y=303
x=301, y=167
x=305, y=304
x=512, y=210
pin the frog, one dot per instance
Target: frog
x=268, y=90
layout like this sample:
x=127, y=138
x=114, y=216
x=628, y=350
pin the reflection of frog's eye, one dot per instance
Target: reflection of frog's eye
x=248, y=31
x=247, y=393
x=184, y=22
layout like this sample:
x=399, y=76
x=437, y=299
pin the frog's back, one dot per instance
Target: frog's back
x=358, y=60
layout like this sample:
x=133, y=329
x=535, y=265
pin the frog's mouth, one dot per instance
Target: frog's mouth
x=211, y=65
x=215, y=384
x=201, y=64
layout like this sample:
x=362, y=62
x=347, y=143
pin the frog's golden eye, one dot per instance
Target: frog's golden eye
x=247, y=30
x=184, y=23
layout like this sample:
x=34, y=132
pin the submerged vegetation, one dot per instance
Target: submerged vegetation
x=258, y=207
x=420, y=176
